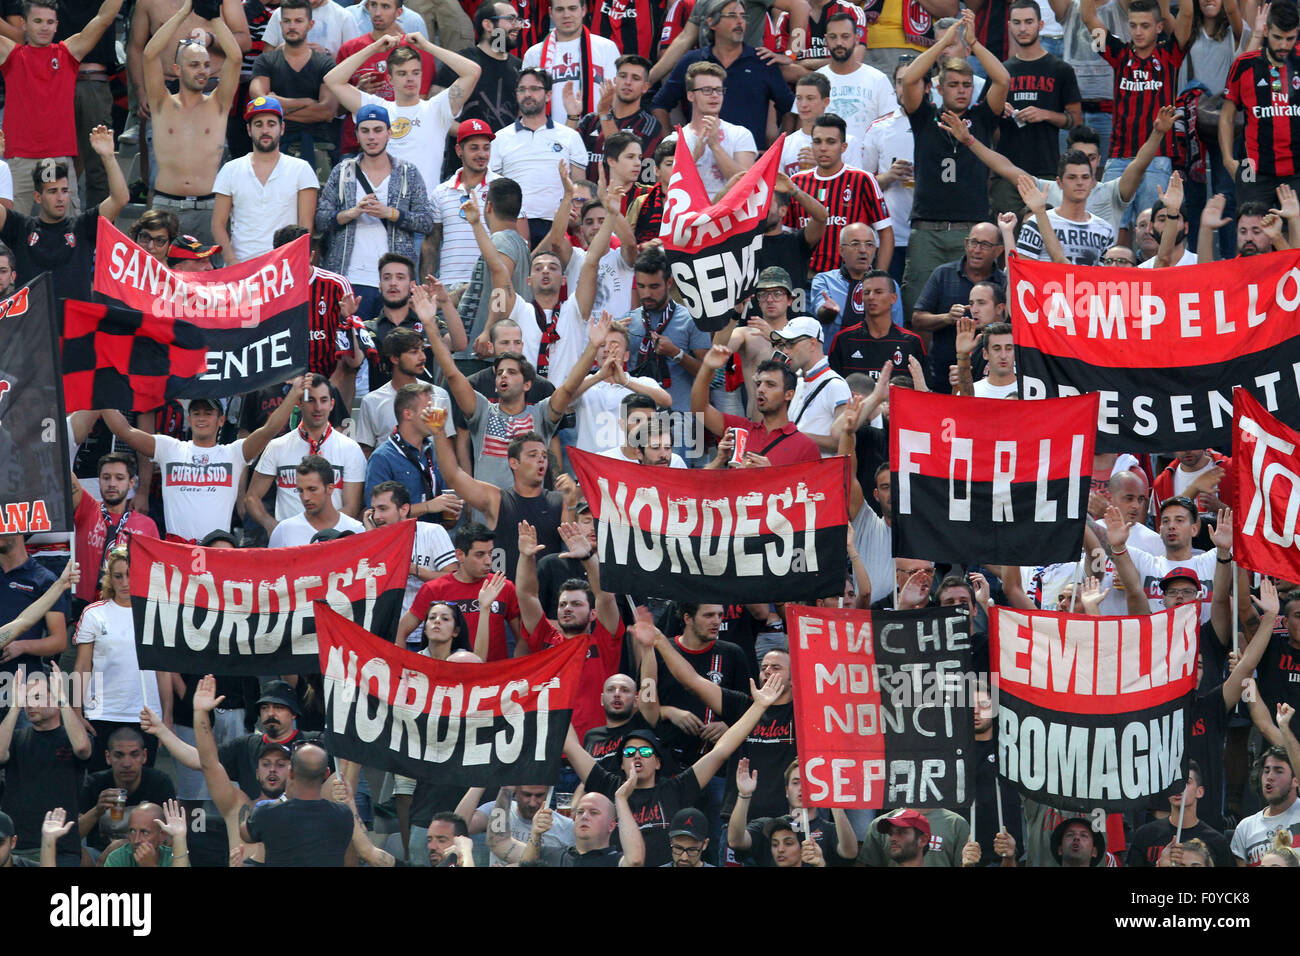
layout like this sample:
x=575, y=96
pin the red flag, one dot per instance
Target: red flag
x=1266, y=525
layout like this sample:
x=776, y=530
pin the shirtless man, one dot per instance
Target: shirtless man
x=190, y=125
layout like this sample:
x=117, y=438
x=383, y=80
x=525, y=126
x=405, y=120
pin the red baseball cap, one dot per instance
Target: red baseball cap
x=473, y=127
x=1178, y=574
x=903, y=819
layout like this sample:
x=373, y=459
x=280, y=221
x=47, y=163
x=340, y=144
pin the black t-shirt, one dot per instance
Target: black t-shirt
x=493, y=99
x=291, y=83
x=855, y=349
x=1144, y=849
x=261, y=404
x=42, y=774
x=986, y=802
x=652, y=807
x=66, y=249
x=73, y=17
x=724, y=664
x=604, y=743
x=430, y=798
x=302, y=832
x=543, y=512
x=792, y=252
x=239, y=758
x=1049, y=84
x=1279, y=674
x=740, y=628
x=155, y=787
x=1205, y=746
x=824, y=833
x=552, y=572
x=770, y=748
x=951, y=183
x=569, y=856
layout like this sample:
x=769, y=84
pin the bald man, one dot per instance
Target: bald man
x=306, y=829
x=147, y=829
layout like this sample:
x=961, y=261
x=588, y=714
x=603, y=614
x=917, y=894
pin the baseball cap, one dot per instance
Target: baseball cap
x=216, y=404
x=648, y=736
x=689, y=822
x=903, y=819
x=1098, y=839
x=473, y=127
x=212, y=537
x=271, y=747
x=7, y=825
x=187, y=247
x=803, y=326
x=279, y=692
x=581, y=507
x=263, y=104
x=1179, y=573
x=774, y=277
x=373, y=112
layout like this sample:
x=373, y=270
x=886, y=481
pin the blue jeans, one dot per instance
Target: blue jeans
x=1156, y=176
x=1054, y=45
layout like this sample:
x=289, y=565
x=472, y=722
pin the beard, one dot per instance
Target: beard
x=531, y=110
x=395, y=303
x=840, y=54
x=275, y=144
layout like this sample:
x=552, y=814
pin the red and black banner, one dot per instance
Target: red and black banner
x=981, y=479
x=463, y=725
x=1266, y=460
x=683, y=533
x=884, y=706
x=253, y=315
x=713, y=247
x=1093, y=711
x=251, y=612
x=1164, y=348
x=35, y=481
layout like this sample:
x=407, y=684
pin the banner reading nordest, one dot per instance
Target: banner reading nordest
x=1266, y=532
x=1093, y=711
x=250, y=612
x=884, y=706
x=254, y=314
x=1164, y=348
x=778, y=535
x=465, y=725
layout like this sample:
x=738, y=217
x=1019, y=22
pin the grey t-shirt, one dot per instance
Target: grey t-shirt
x=1095, y=76
x=475, y=304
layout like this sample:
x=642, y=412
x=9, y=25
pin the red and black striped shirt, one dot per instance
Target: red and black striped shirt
x=642, y=124
x=1268, y=97
x=326, y=337
x=651, y=215
x=534, y=21
x=674, y=21
x=633, y=25
x=1142, y=87
x=851, y=195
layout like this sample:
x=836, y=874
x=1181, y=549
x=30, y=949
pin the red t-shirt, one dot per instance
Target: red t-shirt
x=40, y=82
x=795, y=448
x=92, y=543
x=448, y=590
x=601, y=663
x=378, y=64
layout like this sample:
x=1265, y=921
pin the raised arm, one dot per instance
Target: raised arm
x=995, y=161
x=1117, y=541
x=223, y=792
x=140, y=441
x=715, y=358
x=995, y=93
x=228, y=84
x=1150, y=149
x=79, y=44
x=526, y=588
x=913, y=78
x=32, y=615
x=479, y=495
x=701, y=687
x=579, y=547
x=183, y=753
x=1170, y=198
x=466, y=70
x=1088, y=14
x=738, y=837
x=1268, y=604
x=1036, y=200
x=764, y=697
x=338, y=80
x=101, y=141
x=629, y=831
x=72, y=722
x=161, y=44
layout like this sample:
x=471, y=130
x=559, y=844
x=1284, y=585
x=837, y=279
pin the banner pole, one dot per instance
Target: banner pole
x=1178, y=838
x=972, y=821
x=1236, y=610
x=807, y=830
x=997, y=792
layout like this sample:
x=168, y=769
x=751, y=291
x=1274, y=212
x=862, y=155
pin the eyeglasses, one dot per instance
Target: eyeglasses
x=144, y=239
x=512, y=18
x=1117, y=261
x=711, y=90
x=981, y=244
x=775, y=338
x=646, y=751
x=680, y=850
x=860, y=244
x=1182, y=592
x=772, y=293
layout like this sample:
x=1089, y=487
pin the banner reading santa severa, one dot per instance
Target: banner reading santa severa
x=251, y=612
x=254, y=314
x=987, y=480
x=1093, y=711
x=684, y=534
x=712, y=247
x=465, y=725
x=1164, y=348
x=884, y=706
x=1266, y=456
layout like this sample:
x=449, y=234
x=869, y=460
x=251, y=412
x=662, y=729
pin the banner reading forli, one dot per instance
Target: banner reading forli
x=691, y=535
x=1266, y=532
x=465, y=725
x=1164, y=348
x=884, y=706
x=250, y=612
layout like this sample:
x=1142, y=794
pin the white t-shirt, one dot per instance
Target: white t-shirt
x=284, y=454
x=524, y=315
x=1082, y=242
x=1103, y=201
x=257, y=209
x=861, y=97
x=1153, y=567
x=1184, y=478
x=985, y=389
x=873, y=539
x=1189, y=259
x=116, y=693
x=432, y=549
x=1254, y=835
x=798, y=140
x=617, y=454
x=615, y=280
x=296, y=531
x=331, y=27
x=199, y=485
x=735, y=139
x=598, y=409
x=818, y=418
x=369, y=241
x=529, y=157
x=559, y=835
x=887, y=139
x=376, y=419
x=419, y=132
x=459, y=249
x=564, y=63
x=6, y=182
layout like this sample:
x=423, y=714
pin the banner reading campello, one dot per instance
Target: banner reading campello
x=685, y=534
x=1164, y=348
x=254, y=314
x=1093, y=711
x=251, y=612
x=1266, y=532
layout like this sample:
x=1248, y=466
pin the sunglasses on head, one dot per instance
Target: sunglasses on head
x=645, y=751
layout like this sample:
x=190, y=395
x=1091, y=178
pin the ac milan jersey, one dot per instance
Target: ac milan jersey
x=815, y=48
x=534, y=21
x=679, y=13
x=855, y=349
x=850, y=196
x=1142, y=87
x=642, y=124
x=326, y=337
x=1269, y=98
x=634, y=25
x=651, y=215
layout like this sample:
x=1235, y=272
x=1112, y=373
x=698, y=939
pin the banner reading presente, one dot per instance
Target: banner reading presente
x=1163, y=347
x=1093, y=711
x=250, y=612
x=777, y=535
x=983, y=479
x=465, y=725
x=884, y=706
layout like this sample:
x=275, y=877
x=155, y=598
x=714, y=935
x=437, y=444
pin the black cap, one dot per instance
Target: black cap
x=648, y=736
x=689, y=822
x=212, y=537
x=279, y=692
x=271, y=747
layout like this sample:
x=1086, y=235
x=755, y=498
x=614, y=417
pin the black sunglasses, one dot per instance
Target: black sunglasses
x=645, y=751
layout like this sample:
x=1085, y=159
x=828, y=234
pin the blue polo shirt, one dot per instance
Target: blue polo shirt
x=19, y=589
x=389, y=463
x=751, y=85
